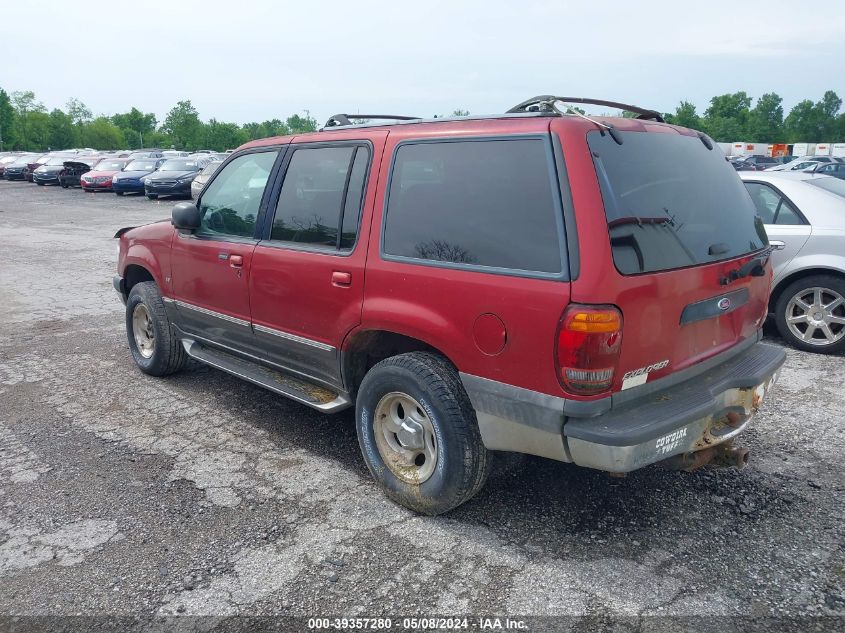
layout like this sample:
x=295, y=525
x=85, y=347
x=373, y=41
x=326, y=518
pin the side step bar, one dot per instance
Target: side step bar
x=294, y=387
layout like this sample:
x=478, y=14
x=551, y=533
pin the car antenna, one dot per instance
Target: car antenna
x=614, y=133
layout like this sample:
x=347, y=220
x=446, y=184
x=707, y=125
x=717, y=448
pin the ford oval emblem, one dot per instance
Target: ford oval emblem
x=724, y=303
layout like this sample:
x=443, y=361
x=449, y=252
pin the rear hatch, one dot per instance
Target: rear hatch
x=681, y=251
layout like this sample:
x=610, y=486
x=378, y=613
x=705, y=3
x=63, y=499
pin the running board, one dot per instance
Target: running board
x=294, y=387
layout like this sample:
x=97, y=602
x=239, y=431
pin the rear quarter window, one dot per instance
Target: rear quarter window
x=670, y=202
x=487, y=204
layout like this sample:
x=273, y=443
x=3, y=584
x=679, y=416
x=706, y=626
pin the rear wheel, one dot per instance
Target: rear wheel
x=120, y=193
x=810, y=314
x=419, y=434
x=155, y=349
x=152, y=196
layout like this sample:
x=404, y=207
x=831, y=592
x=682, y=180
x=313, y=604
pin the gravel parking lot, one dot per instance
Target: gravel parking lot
x=201, y=494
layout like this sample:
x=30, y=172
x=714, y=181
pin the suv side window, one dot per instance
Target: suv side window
x=320, y=201
x=229, y=205
x=487, y=203
x=772, y=207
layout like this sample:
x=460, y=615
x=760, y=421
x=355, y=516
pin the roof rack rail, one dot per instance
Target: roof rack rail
x=543, y=103
x=345, y=119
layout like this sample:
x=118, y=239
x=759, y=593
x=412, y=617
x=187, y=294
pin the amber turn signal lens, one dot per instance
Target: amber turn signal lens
x=595, y=321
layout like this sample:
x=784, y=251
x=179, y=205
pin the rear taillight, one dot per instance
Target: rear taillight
x=589, y=339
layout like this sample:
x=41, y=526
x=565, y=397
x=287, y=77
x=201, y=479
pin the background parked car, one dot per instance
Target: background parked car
x=202, y=177
x=152, y=153
x=804, y=216
x=755, y=163
x=100, y=176
x=48, y=173
x=129, y=180
x=33, y=165
x=15, y=169
x=174, y=177
x=7, y=160
x=74, y=168
x=837, y=170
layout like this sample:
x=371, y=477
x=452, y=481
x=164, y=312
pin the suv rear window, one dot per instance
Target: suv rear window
x=670, y=202
x=486, y=203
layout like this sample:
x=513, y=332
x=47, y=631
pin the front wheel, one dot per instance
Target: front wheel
x=418, y=433
x=152, y=196
x=154, y=347
x=120, y=193
x=810, y=314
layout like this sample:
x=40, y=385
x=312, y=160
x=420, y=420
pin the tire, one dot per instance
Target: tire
x=120, y=193
x=165, y=354
x=825, y=291
x=40, y=184
x=461, y=463
x=64, y=186
x=152, y=196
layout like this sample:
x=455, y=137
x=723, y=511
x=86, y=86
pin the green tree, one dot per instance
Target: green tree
x=7, y=121
x=826, y=110
x=63, y=134
x=101, y=133
x=686, y=116
x=183, y=125
x=765, y=121
x=139, y=123
x=299, y=125
x=801, y=123
x=78, y=111
x=727, y=117
x=39, y=130
x=25, y=104
x=222, y=136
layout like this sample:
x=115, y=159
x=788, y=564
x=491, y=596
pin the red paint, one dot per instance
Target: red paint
x=297, y=291
x=490, y=334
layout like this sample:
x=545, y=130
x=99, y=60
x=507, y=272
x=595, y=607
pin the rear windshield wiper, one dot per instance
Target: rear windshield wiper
x=753, y=268
x=635, y=219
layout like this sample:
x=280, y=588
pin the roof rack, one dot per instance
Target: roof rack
x=345, y=119
x=544, y=103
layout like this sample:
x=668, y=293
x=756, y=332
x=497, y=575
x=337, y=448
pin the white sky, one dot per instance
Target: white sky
x=252, y=60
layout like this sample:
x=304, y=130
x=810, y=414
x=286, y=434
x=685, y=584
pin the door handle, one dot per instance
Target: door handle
x=777, y=245
x=341, y=279
x=236, y=261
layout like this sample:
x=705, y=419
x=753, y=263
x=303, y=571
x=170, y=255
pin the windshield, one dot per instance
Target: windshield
x=833, y=185
x=179, y=164
x=110, y=165
x=24, y=160
x=670, y=202
x=57, y=160
x=141, y=165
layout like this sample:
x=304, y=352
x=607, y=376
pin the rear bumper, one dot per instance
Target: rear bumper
x=703, y=411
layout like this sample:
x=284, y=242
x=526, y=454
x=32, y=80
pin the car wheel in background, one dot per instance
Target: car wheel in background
x=152, y=196
x=120, y=193
x=810, y=314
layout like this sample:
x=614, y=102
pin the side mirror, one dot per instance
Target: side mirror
x=186, y=216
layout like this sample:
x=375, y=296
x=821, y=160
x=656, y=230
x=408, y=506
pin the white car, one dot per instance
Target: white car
x=804, y=215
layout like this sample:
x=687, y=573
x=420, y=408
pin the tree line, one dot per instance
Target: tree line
x=731, y=117
x=25, y=124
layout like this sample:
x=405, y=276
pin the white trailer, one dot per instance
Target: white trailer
x=803, y=149
x=838, y=150
x=822, y=149
x=744, y=148
x=725, y=147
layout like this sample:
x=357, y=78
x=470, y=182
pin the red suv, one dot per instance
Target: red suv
x=590, y=290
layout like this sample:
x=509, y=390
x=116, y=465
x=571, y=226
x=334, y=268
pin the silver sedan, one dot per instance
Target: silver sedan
x=804, y=216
